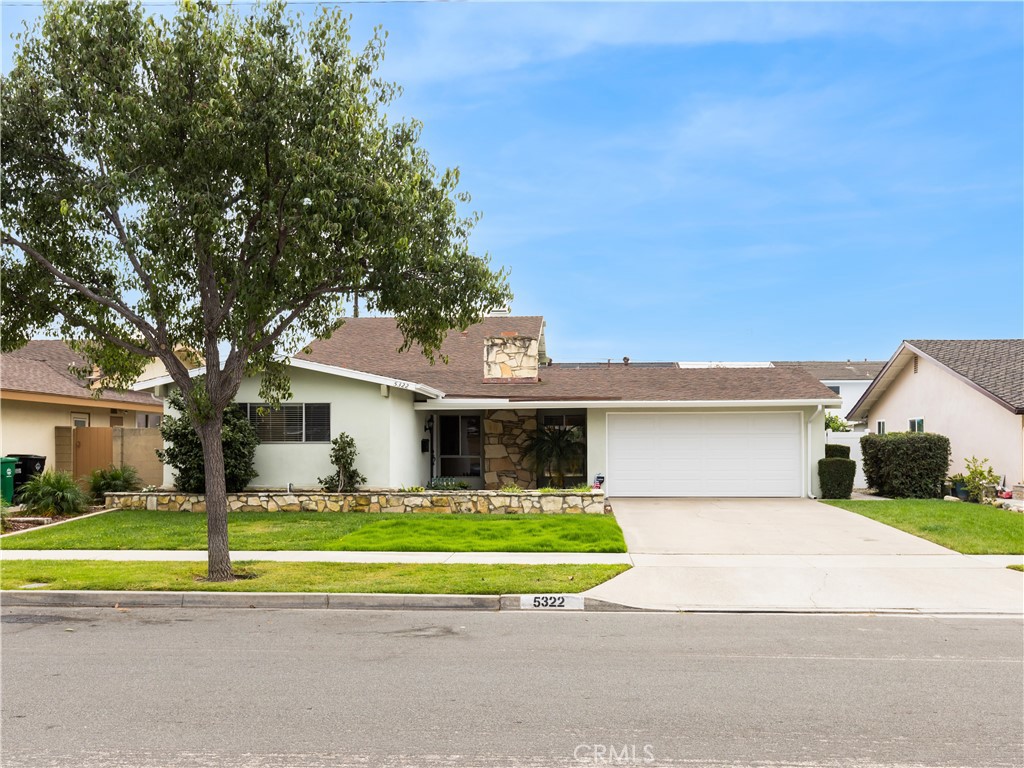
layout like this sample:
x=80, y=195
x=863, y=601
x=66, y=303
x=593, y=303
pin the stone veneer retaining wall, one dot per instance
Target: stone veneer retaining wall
x=461, y=502
x=505, y=435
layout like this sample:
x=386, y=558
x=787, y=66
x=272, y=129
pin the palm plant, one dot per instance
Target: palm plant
x=555, y=451
x=53, y=493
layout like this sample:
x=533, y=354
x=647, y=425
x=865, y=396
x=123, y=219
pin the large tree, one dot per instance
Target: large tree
x=223, y=184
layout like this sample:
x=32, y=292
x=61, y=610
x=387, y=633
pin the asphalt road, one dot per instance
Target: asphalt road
x=176, y=687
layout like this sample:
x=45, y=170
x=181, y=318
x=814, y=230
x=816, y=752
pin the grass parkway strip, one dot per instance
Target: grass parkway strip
x=307, y=577
x=973, y=529
x=334, y=531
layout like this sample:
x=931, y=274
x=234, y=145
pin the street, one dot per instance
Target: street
x=197, y=687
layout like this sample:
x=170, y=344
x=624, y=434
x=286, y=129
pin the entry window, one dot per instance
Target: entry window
x=79, y=419
x=460, y=441
x=916, y=425
x=291, y=423
x=880, y=427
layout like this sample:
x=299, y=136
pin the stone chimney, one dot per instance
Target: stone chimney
x=511, y=358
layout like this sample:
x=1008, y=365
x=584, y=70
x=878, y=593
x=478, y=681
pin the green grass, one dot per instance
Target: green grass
x=974, y=529
x=308, y=577
x=334, y=531
x=1016, y=568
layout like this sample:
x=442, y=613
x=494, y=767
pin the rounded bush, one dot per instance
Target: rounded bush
x=833, y=451
x=836, y=477
x=113, y=480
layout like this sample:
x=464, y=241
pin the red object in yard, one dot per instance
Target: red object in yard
x=1005, y=494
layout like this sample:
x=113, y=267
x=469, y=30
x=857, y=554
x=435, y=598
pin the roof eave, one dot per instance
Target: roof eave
x=457, y=403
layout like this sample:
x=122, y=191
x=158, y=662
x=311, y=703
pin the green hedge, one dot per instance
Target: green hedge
x=905, y=465
x=836, y=475
x=837, y=451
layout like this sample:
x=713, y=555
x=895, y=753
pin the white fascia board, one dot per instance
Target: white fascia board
x=468, y=403
x=308, y=365
x=141, y=386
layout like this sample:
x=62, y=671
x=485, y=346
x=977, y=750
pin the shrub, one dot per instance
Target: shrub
x=511, y=488
x=113, y=480
x=184, y=452
x=53, y=493
x=836, y=475
x=979, y=476
x=447, y=484
x=835, y=423
x=906, y=464
x=343, y=456
x=833, y=451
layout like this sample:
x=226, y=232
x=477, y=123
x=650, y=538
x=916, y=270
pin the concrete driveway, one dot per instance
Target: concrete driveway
x=795, y=554
x=758, y=527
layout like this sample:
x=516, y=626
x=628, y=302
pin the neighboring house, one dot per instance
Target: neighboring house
x=650, y=429
x=849, y=379
x=41, y=400
x=972, y=391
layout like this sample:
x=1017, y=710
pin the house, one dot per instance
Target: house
x=42, y=400
x=847, y=378
x=651, y=429
x=970, y=390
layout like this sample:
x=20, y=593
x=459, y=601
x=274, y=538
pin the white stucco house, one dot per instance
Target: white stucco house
x=651, y=429
x=970, y=390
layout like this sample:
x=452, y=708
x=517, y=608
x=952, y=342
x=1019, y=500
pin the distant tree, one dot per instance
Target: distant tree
x=221, y=184
x=836, y=423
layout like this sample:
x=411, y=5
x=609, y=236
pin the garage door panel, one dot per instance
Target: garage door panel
x=732, y=454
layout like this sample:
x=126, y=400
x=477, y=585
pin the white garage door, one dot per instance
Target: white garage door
x=716, y=454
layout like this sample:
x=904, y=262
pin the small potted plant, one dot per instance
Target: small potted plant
x=958, y=487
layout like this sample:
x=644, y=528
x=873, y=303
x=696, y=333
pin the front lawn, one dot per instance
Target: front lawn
x=334, y=531
x=974, y=529
x=308, y=577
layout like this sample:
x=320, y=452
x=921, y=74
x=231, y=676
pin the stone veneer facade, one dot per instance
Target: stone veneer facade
x=455, y=502
x=506, y=433
x=510, y=357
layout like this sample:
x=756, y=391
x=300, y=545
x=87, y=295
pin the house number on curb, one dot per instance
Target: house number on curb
x=564, y=602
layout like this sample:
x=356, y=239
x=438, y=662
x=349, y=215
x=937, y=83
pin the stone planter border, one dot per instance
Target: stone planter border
x=443, y=502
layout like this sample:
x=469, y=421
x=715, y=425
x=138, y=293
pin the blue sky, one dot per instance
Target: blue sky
x=682, y=181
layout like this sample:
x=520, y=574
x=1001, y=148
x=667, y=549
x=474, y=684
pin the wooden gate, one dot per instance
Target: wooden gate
x=93, y=449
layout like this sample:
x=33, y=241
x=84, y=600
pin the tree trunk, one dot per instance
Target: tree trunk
x=218, y=553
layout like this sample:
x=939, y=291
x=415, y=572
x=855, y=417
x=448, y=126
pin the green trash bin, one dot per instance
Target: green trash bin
x=7, y=478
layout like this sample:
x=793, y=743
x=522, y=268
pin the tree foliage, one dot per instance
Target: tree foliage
x=222, y=184
x=184, y=452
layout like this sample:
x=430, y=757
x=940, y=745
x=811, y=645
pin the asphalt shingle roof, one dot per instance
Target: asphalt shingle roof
x=838, y=370
x=371, y=345
x=42, y=366
x=995, y=365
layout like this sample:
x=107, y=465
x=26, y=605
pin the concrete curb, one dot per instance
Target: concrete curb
x=398, y=602
x=319, y=600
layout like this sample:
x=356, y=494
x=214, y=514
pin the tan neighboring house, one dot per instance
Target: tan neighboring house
x=42, y=401
x=970, y=390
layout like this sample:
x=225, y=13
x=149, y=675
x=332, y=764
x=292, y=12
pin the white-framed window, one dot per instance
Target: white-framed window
x=879, y=427
x=291, y=423
x=916, y=425
x=79, y=419
x=147, y=420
